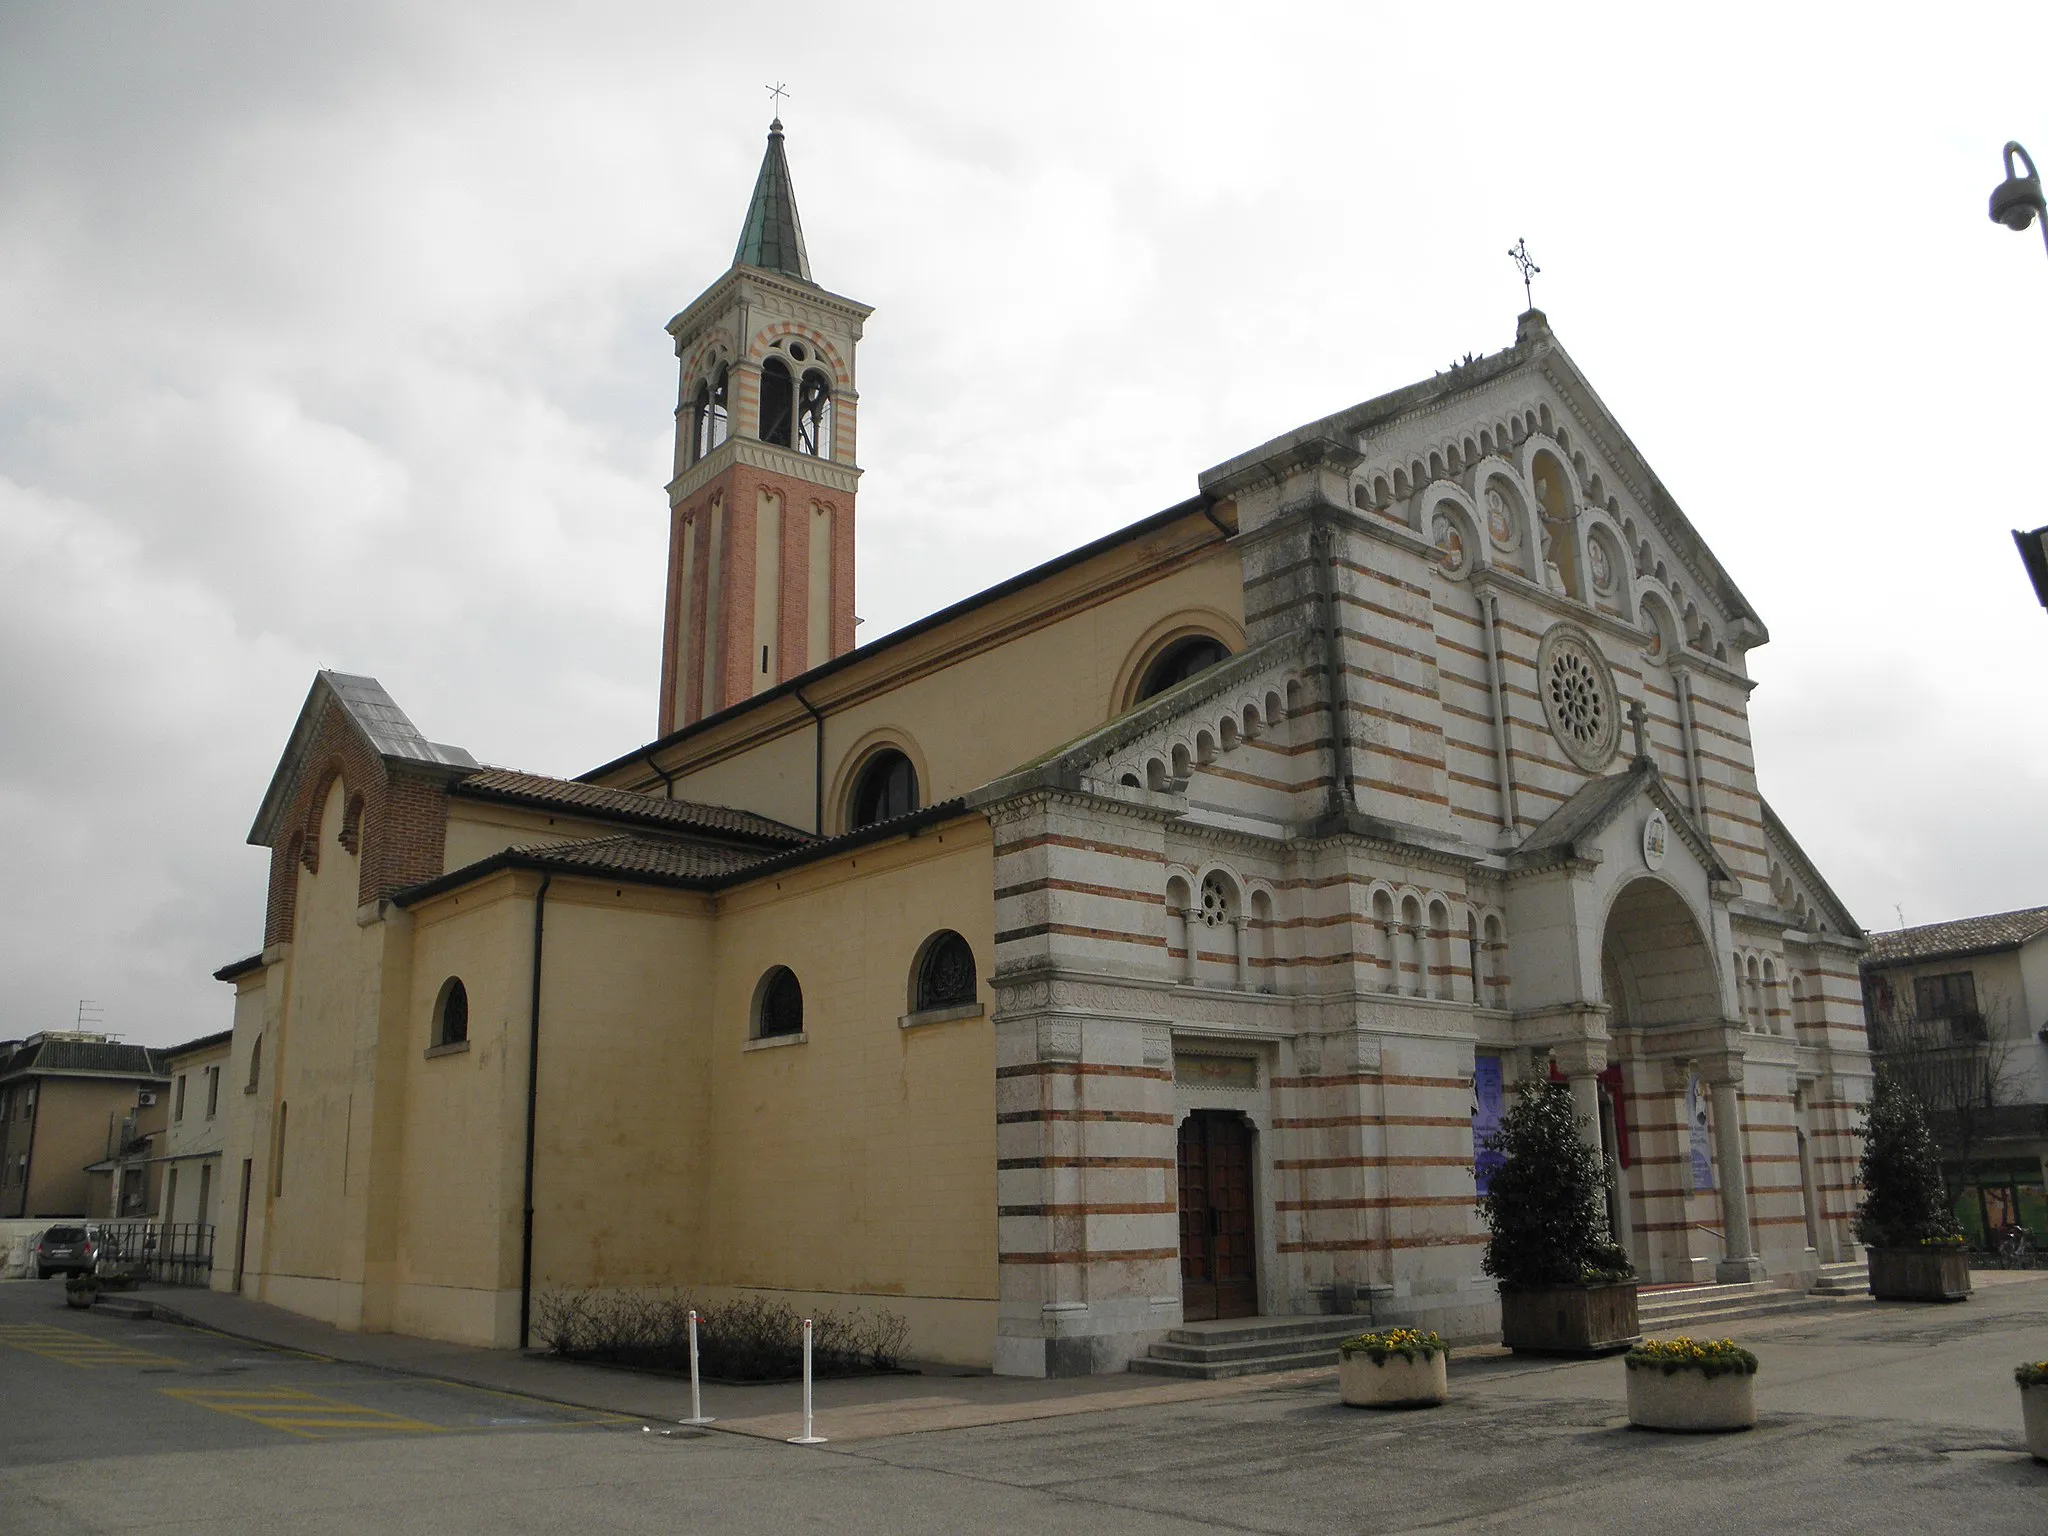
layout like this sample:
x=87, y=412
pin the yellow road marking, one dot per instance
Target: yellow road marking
x=304, y=1414
x=71, y=1347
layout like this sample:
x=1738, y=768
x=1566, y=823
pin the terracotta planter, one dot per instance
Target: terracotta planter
x=1579, y=1320
x=1393, y=1382
x=1919, y=1274
x=1689, y=1401
x=2034, y=1409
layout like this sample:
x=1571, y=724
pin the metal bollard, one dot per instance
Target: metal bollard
x=697, y=1414
x=807, y=1438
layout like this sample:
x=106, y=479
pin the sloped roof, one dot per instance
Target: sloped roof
x=1597, y=803
x=1964, y=936
x=631, y=854
x=193, y=1047
x=772, y=238
x=1775, y=831
x=538, y=791
x=373, y=712
x=81, y=1057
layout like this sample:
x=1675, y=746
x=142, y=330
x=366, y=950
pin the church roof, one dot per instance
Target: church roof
x=372, y=711
x=772, y=237
x=632, y=855
x=1965, y=936
x=540, y=792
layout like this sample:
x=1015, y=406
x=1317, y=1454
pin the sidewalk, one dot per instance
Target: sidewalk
x=856, y=1408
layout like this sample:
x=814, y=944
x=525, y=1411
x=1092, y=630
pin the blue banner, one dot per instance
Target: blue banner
x=1486, y=1099
x=1702, y=1150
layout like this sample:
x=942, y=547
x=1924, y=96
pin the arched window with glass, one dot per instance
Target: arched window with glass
x=944, y=976
x=1181, y=661
x=885, y=789
x=778, y=1005
x=778, y=402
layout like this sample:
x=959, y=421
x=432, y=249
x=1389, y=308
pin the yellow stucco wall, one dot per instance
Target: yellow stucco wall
x=978, y=697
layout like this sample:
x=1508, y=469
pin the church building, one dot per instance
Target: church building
x=1147, y=938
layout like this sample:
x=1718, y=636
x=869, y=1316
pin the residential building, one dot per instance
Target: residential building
x=69, y=1100
x=1960, y=1011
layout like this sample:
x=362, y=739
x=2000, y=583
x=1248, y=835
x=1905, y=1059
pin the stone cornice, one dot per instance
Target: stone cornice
x=755, y=454
x=740, y=285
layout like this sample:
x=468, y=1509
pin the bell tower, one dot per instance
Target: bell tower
x=760, y=555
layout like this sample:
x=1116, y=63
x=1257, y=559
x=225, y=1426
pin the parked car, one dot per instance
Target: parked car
x=75, y=1250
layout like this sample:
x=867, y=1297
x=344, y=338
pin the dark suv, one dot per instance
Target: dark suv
x=71, y=1250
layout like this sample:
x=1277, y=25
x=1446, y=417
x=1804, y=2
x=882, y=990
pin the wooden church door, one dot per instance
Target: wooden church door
x=1218, y=1271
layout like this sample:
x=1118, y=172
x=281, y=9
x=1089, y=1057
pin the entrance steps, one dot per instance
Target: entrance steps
x=1704, y=1309
x=1842, y=1280
x=1248, y=1346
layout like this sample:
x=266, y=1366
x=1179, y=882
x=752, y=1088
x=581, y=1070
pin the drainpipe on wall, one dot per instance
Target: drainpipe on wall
x=28, y=1169
x=817, y=763
x=540, y=909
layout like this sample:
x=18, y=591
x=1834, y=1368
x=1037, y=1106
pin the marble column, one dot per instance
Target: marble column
x=1739, y=1261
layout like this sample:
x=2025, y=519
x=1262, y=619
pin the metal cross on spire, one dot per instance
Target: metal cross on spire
x=775, y=94
x=1518, y=253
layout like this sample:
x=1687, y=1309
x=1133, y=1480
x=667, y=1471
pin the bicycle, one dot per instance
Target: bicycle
x=2016, y=1249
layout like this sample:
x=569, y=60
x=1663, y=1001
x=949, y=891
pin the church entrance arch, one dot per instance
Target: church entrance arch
x=1657, y=973
x=1218, y=1251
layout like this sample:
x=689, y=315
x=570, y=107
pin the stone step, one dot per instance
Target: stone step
x=1217, y=1370
x=1266, y=1330
x=1841, y=1280
x=134, y=1308
x=1711, y=1315
x=1195, y=1354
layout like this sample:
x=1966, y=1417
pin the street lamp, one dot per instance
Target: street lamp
x=2017, y=202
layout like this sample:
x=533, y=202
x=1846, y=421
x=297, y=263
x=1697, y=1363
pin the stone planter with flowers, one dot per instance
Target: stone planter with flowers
x=1393, y=1368
x=2033, y=1380
x=1691, y=1386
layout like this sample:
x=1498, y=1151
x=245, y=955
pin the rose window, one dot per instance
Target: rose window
x=1578, y=697
x=1215, y=901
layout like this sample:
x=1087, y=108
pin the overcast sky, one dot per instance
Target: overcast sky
x=331, y=336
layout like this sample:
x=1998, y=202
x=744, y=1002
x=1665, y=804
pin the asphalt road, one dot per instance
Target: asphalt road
x=1874, y=1420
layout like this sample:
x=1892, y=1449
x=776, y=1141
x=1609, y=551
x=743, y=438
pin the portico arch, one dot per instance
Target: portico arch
x=1655, y=966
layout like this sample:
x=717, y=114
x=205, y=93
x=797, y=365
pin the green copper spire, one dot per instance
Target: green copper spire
x=772, y=238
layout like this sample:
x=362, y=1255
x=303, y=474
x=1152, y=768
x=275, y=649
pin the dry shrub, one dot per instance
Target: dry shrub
x=750, y=1338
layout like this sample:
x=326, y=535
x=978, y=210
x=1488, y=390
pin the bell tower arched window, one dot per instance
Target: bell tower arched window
x=887, y=788
x=710, y=418
x=814, y=416
x=778, y=402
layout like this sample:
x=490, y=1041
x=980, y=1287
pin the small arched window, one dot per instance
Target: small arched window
x=886, y=789
x=711, y=417
x=255, y=1064
x=1181, y=661
x=814, y=416
x=778, y=402
x=778, y=1005
x=945, y=974
x=451, y=1013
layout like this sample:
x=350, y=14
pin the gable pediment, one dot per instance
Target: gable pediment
x=1582, y=830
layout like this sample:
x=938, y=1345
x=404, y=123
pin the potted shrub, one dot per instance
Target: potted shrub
x=1915, y=1243
x=1691, y=1385
x=81, y=1290
x=2033, y=1380
x=1394, y=1368
x=1566, y=1287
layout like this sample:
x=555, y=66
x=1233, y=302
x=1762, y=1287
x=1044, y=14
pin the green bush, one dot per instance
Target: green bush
x=1904, y=1203
x=1547, y=1201
x=2033, y=1374
x=747, y=1339
x=1710, y=1357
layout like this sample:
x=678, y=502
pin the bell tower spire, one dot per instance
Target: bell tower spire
x=760, y=578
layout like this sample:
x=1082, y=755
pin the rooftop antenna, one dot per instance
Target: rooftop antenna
x=1899, y=908
x=1518, y=253
x=775, y=94
x=86, y=1006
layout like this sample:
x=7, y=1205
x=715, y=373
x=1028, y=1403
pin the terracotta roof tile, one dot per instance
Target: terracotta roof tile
x=541, y=792
x=1968, y=935
x=629, y=854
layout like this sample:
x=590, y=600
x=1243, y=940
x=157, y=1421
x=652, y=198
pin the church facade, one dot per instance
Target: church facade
x=1147, y=938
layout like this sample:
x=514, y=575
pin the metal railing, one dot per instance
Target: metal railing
x=169, y=1252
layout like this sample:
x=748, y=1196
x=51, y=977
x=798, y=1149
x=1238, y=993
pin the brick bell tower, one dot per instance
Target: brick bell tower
x=760, y=554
